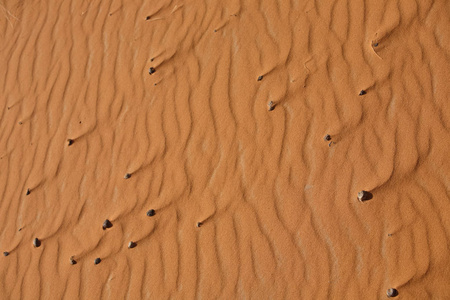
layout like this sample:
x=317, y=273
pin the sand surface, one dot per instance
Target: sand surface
x=278, y=204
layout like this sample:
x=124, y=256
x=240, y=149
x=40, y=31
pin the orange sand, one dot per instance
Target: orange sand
x=279, y=207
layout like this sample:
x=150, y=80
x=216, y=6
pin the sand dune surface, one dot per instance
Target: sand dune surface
x=198, y=130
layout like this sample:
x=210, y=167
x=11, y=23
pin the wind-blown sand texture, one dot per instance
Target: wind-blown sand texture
x=278, y=206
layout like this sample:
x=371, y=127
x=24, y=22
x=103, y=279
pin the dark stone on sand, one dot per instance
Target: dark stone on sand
x=128, y=175
x=327, y=137
x=131, y=244
x=107, y=224
x=375, y=45
x=97, y=260
x=364, y=195
x=70, y=142
x=199, y=224
x=392, y=293
x=363, y=92
x=260, y=78
x=6, y=253
x=28, y=192
x=271, y=106
x=147, y=18
x=151, y=70
x=151, y=213
x=36, y=242
x=72, y=261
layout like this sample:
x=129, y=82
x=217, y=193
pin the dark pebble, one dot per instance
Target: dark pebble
x=128, y=175
x=70, y=142
x=392, y=293
x=260, y=78
x=131, y=244
x=363, y=92
x=28, y=192
x=271, y=106
x=147, y=18
x=375, y=45
x=327, y=137
x=107, y=224
x=364, y=195
x=97, y=260
x=6, y=253
x=199, y=224
x=36, y=242
x=151, y=213
x=72, y=261
x=151, y=70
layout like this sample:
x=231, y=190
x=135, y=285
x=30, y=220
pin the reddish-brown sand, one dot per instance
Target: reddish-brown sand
x=278, y=204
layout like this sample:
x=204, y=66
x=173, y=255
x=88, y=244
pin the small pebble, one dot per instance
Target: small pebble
x=72, y=261
x=6, y=253
x=260, y=78
x=20, y=123
x=363, y=195
x=97, y=260
x=147, y=18
x=70, y=142
x=389, y=234
x=151, y=70
x=363, y=92
x=151, y=213
x=392, y=293
x=131, y=244
x=107, y=224
x=375, y=45
x=199, y=224
x=128, y=175
x=271, y=106
x=36, y=242
x=28, y=192
x=327, y=137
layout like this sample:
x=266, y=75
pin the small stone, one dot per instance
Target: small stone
x=375, y=45
x=97, y=260
x=199, y=224
x=364, y=195
x=107, y=224
x=20, y=123
x=151, y=70
x=128, y=175
x=389, y=234
x=28, y=192
x=147, y=18
x=36, y=242
x=6, y=253
x=327, y=137
x=151, y=213
x=72, y=261
x=131, y=245
x=392, y=293
x=363, y=92
x=70, y=142
x=271, y=106
x=260, y=78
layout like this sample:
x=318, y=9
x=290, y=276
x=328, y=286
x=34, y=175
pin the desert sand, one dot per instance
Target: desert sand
x=218, y=111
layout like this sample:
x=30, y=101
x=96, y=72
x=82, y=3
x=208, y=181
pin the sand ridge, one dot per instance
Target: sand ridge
x=278, y=205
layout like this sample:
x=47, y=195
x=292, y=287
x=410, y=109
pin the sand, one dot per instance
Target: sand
x=227, y=132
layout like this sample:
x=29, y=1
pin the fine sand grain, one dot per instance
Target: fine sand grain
x=251, y=201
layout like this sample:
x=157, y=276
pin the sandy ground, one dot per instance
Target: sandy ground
x=278, y=206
